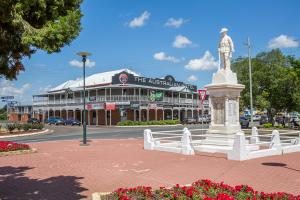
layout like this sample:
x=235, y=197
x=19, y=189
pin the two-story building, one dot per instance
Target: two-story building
x=117, y=96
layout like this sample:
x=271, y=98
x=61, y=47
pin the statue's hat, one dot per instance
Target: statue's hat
x=223, y=30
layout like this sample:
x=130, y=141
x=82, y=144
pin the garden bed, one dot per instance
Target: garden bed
x=18, y=129
x=199, y=190
x=8, y=148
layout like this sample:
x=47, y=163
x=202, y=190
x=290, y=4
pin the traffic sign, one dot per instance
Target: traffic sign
x=7, y=97
x=202, y=95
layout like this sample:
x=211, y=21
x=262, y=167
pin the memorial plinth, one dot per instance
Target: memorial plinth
x=224, y=93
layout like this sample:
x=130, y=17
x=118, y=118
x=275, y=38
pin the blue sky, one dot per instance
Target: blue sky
x=116, y=40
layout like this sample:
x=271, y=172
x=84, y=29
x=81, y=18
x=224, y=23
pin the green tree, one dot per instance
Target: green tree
x=275, y=81
x=29, y=25
x=3, y=115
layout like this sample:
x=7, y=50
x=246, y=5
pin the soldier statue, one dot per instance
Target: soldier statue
x=225, y=49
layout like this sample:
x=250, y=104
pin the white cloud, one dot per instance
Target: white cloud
x=181, y=42
x=43, y=90
x=283, y=41
x=140, y=21
x=162, y=56
x=175, y=23
x=192, y=78
x=207, y=62
x=77, y=63
x=9, y=89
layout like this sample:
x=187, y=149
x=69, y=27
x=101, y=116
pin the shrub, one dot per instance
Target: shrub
x=26, y=127
x=279, y=126
x=268, y=125
x=37, y=126
x=19, y=126
x=10, y=127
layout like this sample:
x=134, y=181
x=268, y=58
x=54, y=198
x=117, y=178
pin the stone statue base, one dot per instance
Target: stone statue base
x=224, y=93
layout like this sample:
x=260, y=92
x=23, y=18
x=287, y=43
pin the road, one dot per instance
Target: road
x=75, y=133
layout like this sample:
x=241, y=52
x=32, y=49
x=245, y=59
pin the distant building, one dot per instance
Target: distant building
x=19, y=113
x=117, y=96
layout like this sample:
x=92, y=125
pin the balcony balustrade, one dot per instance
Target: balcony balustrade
x=115, y=98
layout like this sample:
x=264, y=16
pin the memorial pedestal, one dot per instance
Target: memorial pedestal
x=224, y=94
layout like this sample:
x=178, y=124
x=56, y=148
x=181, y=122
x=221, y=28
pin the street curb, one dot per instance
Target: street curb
x=26, y=134
x=143, y=126
x=18, y=152
x=97, y=195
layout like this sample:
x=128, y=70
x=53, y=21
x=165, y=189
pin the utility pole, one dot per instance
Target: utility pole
x=250, y=80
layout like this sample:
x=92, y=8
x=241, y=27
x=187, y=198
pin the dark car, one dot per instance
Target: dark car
x=263, y=120
x=244, y=122
x=33, y=121
x=189, y=120
x=55, y=121
x=72, y=122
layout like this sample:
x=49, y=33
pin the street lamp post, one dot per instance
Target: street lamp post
x=84, y=56
x=250, y=80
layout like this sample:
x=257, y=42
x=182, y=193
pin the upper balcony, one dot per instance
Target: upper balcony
x=115, y=98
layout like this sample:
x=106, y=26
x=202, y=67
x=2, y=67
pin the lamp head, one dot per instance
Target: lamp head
x=84, y=54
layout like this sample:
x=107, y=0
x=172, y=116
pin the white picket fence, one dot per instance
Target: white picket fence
x=237, y=147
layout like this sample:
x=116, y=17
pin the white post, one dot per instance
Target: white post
x=254, y=136
x=148, y=140
x=275, y=141
x=239, y=151
x=186, y=140
x=97, y=117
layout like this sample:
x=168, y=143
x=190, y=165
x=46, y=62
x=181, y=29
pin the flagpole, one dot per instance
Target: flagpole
x=219, y=67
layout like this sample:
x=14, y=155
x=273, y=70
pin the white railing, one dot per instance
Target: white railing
x=114, y=98
x=236, y=146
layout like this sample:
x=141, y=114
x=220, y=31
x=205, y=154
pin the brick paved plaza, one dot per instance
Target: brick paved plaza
x=65, y=170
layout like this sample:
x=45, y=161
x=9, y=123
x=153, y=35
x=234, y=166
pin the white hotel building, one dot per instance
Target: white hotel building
x=120, y=95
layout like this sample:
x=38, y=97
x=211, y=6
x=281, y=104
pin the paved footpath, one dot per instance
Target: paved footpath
x=64, y=170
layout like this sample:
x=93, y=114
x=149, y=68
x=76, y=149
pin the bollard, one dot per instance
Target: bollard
x=148, y=140
x=275, y=141
x=186, y=140
x=254, y=139
x=239, y=151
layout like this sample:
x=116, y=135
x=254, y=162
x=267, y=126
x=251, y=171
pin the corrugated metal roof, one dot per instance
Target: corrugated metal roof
x=95, y=79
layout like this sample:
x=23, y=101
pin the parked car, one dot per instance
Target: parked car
x=295, y=123
x=244, y=122
x=263, y=119
x=189, y=120
x=204, y=119
x=72, y=122
x=33, y=121
x=55, y=121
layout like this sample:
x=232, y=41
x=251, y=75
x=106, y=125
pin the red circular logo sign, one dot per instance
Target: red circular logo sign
x=123, y=78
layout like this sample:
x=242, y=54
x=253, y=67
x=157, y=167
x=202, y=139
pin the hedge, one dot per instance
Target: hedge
x=25, y=127
x=155, y=122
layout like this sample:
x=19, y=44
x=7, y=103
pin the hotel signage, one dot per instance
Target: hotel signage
x=95, y=106
x=125, y=78
x=110, y=106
